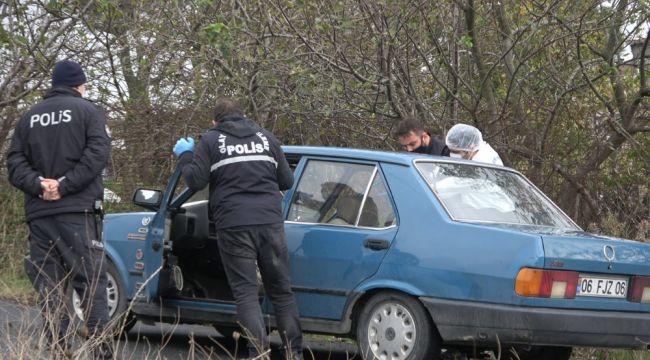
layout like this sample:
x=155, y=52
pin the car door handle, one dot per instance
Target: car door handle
x=374, y=244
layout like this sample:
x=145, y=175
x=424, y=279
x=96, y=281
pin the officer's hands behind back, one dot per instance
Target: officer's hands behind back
x=50, y=190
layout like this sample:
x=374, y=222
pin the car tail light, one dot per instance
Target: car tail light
x=640, y=289
x=547, y=283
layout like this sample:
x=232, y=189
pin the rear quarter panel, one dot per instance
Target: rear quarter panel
x=446, y=259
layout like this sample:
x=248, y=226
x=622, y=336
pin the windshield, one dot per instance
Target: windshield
x=486, y=194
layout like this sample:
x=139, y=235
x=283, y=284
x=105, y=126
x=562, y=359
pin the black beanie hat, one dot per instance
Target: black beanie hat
x=68, y=73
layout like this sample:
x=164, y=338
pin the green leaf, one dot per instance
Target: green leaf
x=4, y=37
x=21, y=39
x=465, y=41
x=214, y=31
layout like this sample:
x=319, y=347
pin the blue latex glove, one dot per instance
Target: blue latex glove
x=183, y=145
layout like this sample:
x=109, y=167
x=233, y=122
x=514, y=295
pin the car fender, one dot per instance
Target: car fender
x=384, y=284
x=364, y=291
x=115, y=258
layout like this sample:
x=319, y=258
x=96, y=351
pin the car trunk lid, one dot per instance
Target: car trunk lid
x=581, y=251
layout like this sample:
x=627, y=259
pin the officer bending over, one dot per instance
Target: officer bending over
x=246, y=170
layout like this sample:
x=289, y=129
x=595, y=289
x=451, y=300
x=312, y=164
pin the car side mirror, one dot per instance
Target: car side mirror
x=147, y=198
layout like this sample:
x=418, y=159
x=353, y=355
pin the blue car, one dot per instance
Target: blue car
x=408, y=254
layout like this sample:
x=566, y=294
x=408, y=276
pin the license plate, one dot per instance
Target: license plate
x=600, y=286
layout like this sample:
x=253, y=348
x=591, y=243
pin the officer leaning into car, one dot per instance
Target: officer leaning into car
x=246, y=169
x=56, y=157
x=413, y=138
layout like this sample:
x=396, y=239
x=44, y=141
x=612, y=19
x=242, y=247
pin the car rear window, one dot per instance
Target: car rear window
x=472, y=192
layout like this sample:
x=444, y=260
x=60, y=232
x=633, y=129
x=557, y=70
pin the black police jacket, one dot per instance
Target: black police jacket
x=246, y=169
x=62, y=137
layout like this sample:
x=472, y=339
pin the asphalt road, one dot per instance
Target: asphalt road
x=20, y=327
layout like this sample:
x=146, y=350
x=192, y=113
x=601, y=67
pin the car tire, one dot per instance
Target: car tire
x=396, y=326
x=120, y=320
x=542, y=353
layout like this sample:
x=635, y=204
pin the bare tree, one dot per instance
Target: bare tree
x=546, y=82
x=32, y=37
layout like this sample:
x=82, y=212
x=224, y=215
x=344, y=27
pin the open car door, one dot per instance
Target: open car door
x=158, y=238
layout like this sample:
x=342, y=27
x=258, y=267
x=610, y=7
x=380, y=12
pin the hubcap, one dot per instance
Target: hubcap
x=391, y=332
x=111, y=294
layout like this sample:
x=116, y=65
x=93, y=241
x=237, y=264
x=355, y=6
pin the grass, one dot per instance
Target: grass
x=17, y=288
x=605, y=354
x=14, y=285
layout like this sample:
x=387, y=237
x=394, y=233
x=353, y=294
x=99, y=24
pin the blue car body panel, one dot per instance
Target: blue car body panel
x=585, y=252
x=124, y=235
x=462, y=272
x=340, y=250
x=314, y=248
x=428, y=258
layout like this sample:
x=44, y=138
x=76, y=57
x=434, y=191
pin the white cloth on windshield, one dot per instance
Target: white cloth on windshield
x=486, y=154
x=461, y=194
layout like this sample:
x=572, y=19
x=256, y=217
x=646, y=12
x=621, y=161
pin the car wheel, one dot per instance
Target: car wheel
x=396, y=326
x=119, y=319
x=542, y=353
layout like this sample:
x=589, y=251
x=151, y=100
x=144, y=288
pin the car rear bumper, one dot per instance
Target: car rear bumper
x=463, y=322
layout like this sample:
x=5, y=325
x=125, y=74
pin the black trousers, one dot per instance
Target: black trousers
x=243, y=249
x=67, y=248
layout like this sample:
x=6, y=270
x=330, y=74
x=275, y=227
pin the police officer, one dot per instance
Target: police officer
x=56, y=157
x=413, y=138
x=246, y=170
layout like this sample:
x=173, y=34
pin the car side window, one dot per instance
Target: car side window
x=378, y=209
x=335, y=192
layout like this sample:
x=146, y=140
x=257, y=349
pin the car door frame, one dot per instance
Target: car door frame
x=350, y=294
x=157, y=241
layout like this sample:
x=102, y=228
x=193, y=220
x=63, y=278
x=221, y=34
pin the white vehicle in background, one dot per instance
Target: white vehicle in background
x=111, y=197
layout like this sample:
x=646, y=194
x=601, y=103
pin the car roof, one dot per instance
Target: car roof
x=401, y=158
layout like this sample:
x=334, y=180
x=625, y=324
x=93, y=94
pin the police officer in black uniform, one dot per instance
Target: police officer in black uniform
x=413, y=138
x=56, y=157
x=246, y=169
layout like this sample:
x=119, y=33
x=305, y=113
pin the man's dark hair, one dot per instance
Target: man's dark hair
x=227, y=107
x=405, y=126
